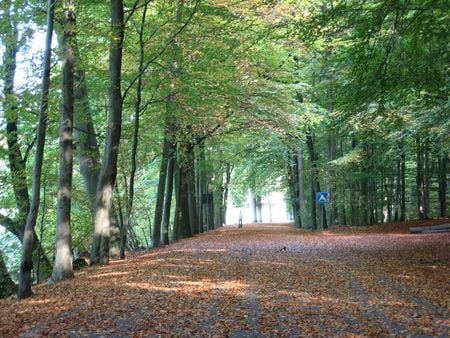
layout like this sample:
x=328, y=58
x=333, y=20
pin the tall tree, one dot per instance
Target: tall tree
x=108, y=171
x=62, y=268
x=28, y=238
x=10, y=104
x=134, y=150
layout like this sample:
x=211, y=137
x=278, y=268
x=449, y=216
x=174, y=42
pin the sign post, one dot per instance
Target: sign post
x=322, y=198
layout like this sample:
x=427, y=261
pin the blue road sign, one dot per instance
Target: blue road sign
x=322, y=198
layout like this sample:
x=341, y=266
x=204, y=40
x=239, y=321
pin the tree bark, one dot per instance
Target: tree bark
x=156, y=234
x=7, y=286
x=419, y=178
x=137, y=111
x=293, y=175
x=226, y=184
x=26, y=265
x=10, y=109
x=182, y=226
x=301, y=186
x=84, y=133
x=397, y=196
x=426, y=178
x=192, y=200
x=442, y=179
x=403, y=189
x=254, y=208
x=63, y=260
x=168, y=197
x=314, y=178
x=108, y=171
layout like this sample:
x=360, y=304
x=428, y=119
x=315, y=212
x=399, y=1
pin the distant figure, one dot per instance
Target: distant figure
x=240, y=219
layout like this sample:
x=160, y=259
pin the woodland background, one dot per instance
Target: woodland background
x=156, y=110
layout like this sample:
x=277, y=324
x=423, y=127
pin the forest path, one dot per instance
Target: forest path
x=259, y=281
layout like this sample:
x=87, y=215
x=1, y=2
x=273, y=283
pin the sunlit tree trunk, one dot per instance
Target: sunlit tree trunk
x=226, y=184
x=108, y=171
x=26, y=265
x=168, y=197
x=62, y=268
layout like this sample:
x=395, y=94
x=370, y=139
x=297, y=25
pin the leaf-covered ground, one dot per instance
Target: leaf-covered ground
x=259, y=281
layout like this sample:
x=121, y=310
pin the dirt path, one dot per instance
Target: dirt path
x=264, y=281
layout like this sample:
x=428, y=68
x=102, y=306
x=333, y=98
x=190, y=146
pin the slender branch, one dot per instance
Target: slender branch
x=163, y=50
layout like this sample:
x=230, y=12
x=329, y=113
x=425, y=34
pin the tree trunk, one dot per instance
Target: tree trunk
x=365, y=207
x=168, y=197
x=7, y=286
x=419, y=178
x=201, y=182
x=292, y=171
x=10, y=106
x=108, y=171
x=210, y=210
x=314, y=179
x=332, y=178
x=137, y=111
x=63, y=260
x=88, y=151
x=397, y=193
x=84, y=133
x=403, y=189
x=254, y=209
x=426, y=178
x=301, y=186
x=259, y=208
x=156, y=234
x=442, y=179
x=28, y=238
x=17, y=164
x=192, y=200
x=226, y=184
x=182, y=220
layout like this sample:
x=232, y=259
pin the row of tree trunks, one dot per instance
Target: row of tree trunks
x=183, y=169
